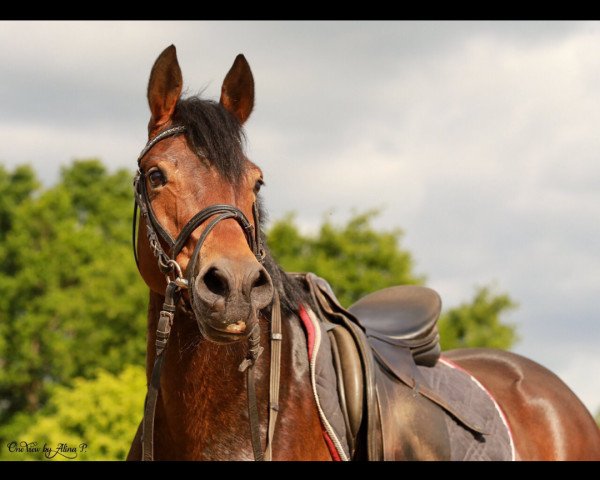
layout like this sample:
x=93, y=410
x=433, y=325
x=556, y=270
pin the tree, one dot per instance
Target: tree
x=356, y=260
x=71, y=299
x=15, y=187
x=477, y=323
x=98, y=417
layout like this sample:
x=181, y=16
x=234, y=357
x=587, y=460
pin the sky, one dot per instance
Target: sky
x=478, y=139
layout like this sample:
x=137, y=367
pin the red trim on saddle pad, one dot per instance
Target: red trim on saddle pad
x=310, y=333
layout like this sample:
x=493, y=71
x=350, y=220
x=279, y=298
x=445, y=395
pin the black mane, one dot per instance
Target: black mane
x=218, y=136
x=213, y=133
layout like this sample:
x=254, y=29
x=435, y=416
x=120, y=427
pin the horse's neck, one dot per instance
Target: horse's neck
x=202, y=411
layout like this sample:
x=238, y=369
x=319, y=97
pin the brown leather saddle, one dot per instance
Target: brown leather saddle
x=389, y=410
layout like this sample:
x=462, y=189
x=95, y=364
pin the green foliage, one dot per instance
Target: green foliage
x=354, y=258
x=71, y=299
x=477, y=323
x=102, y=413
x=15, y=187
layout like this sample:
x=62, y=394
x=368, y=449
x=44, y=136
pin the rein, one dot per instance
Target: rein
x=176, y=282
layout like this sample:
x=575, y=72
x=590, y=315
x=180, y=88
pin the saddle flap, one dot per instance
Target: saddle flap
x=427, y=382
x=398, y=361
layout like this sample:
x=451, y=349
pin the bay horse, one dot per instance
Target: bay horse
x=218, y=290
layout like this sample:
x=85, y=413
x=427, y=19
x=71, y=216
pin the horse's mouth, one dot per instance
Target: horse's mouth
x=231, y=333
x=235, y=329
x=226, y=323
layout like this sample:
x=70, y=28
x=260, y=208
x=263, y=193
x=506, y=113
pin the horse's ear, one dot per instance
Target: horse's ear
x=164, y=86
x=237, y=92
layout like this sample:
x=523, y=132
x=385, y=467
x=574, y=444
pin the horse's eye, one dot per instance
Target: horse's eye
x=157, y=178
x=259, y=183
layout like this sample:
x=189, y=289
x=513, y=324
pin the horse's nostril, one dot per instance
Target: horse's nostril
x=261, y=289
x=216, y=282
x=261, y=280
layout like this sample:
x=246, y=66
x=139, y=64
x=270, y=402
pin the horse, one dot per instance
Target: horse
x=225, y=307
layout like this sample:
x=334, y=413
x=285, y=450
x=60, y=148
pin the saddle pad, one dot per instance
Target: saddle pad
x=459, y=388
x=324, y=383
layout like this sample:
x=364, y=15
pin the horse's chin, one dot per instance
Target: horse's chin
x=222, y=338
x=217, y=332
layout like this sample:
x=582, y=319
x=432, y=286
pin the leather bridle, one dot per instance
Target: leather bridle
x=176, y=282
x=166, y=262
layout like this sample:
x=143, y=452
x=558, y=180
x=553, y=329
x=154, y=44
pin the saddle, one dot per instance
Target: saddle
x=378, y=347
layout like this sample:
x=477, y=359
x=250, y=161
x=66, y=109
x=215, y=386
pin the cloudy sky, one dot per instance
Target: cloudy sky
x=480, y=140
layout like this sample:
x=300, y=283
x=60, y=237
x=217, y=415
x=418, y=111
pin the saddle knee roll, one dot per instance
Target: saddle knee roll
x=349, y=370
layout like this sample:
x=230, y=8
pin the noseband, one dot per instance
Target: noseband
x=176, y=281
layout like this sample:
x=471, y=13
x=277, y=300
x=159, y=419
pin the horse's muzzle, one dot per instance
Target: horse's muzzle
x=227, y=295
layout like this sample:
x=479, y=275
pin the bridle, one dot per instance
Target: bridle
x=167, y=263
x=177, y=281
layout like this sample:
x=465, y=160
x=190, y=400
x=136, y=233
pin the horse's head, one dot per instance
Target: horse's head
x=182, y=175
